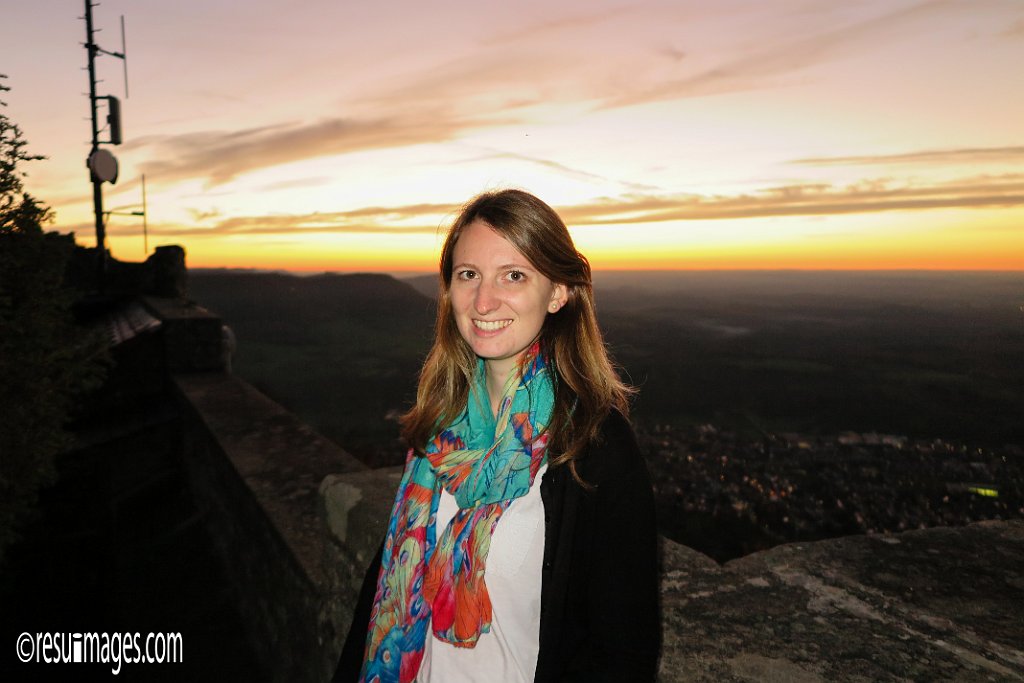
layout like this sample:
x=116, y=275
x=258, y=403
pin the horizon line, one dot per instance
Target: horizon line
x=418, y=272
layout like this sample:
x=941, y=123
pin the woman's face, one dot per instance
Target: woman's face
x=499, y=299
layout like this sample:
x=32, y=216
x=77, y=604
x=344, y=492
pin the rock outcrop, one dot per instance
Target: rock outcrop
x=941, y=604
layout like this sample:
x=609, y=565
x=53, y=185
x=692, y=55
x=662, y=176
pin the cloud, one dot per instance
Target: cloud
x=548, y=63
x=497, y=79
x=560, y=167
x=199, y=215
x=672, y=53
x=219, y=156
x=800, y=200
x=425, y=218
x=787, y=200
x=412, y=218
x=560, y=26
x=962, y=155
x=1015, y=30
x=559, y=60
x=755, y=69
x=660, y=51
x=315, y=181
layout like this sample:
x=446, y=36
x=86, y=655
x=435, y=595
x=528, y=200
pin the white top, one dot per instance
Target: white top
x=513, y=577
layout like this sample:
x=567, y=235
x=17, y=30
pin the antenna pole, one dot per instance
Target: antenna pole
x=97, y=190
x=124, y=59
x=145, y=219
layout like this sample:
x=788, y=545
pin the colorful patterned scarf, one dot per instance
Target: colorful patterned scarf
x=485, y=463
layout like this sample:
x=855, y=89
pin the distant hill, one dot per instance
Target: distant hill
x=342, y=351
x=982, y=288
x=424, y=284
x=630, y=288
x=926, y=354
x=920, y=354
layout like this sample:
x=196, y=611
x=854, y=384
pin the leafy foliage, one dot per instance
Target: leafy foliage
x=45, y=359
x=19, y=211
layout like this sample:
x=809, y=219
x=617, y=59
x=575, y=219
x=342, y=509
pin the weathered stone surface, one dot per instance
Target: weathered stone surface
x=255, y=471
x=936, y=604
x=930, y=605
x=193, y=338
x=282, y=459
x=357, y=507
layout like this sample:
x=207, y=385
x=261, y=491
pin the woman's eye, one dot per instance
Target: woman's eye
x=466, y=274
x=516, y=276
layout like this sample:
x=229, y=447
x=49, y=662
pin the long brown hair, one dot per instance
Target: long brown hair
x=586, y=384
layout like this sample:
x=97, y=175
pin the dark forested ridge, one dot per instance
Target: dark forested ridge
x=341, y=351
x=920, y=354
x=933, y=357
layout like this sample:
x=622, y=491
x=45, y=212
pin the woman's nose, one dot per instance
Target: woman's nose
x=486, y=299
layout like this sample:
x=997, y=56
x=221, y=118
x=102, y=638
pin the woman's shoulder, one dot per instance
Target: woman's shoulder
x=614, y=453
x=616, y=428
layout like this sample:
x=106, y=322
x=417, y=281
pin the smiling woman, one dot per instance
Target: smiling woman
x=522, y=541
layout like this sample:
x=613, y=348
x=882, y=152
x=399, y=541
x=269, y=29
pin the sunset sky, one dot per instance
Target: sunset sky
x=343, y=135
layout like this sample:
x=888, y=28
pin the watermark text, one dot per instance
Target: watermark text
x=114, y=649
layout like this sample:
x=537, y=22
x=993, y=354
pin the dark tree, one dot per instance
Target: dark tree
x=46, y=360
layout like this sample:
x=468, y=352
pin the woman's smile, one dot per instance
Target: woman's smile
x=490, y=326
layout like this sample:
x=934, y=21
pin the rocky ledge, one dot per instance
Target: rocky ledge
x=941, y=604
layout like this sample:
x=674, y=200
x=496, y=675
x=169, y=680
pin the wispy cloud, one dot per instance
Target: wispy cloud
x=1015, y=30
x=219, y=156
x=790, y=200
x=561, y=25
x=563, y=169
x=198, y=215
x=537, y=65
x=799, y=200
x=413, y=218
x=302, y=183
x=555, y=60
x=961, y=155
x=778, y=55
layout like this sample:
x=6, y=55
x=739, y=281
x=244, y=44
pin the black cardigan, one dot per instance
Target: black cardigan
x=600, y=617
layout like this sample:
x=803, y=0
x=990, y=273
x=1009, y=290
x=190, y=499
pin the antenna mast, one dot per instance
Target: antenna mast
x=101, y=163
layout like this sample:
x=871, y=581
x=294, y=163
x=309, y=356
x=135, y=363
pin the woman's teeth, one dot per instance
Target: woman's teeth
x=490, y=326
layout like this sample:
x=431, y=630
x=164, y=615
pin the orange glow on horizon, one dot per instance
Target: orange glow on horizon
x=651, y=262
x=991, y=246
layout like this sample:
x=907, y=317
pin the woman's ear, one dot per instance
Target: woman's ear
x=559, y=295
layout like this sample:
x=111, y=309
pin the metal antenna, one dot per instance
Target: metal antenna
x=101, y=163
x=145, y=219
x=124, y=59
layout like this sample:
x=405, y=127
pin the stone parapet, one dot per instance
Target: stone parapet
x=255, y=471
x=193, y=337
x=356, y=507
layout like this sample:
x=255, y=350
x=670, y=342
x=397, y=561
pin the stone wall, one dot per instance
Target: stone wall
x=255, y=470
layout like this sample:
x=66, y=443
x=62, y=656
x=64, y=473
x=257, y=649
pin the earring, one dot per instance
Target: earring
x=554, y=306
